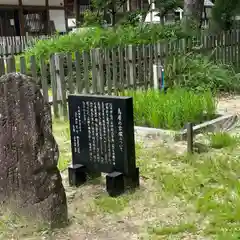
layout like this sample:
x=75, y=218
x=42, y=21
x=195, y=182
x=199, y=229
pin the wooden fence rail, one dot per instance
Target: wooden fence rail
x=17, y=44
x=110, y=71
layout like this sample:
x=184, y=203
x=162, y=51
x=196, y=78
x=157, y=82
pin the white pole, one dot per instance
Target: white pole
x=157, y=70
x=151, y=11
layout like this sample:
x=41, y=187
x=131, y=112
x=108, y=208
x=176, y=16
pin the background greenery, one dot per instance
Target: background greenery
x=97, y=37
x=197, y=72
x=171, y=110
x=192, y=70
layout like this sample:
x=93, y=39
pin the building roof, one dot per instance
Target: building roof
x=208, y=3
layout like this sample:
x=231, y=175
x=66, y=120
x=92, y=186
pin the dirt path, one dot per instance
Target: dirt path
x=229, y=105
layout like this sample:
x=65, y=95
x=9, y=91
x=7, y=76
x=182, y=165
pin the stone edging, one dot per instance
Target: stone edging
x=223, y=123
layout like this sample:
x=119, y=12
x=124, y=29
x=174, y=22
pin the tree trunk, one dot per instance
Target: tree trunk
x=162, y=20
x=77, y=12
x=193, y=10
x=134, y=5
x=113, y=11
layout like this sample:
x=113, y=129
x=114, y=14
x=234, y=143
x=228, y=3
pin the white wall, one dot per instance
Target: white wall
x=151, y=17
x=9, y=2
x=59, y=19
x=59, y=3
x=33, y=2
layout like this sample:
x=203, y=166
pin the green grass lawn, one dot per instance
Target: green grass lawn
x=62, y=135
x=181, y=197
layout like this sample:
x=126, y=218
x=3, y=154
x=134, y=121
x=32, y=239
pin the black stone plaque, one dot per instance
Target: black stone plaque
x=102, y=139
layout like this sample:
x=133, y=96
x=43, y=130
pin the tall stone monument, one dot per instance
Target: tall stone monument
x=29, y=177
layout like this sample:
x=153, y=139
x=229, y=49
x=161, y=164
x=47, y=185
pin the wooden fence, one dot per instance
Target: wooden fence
x=110, y=71
x=17, y=44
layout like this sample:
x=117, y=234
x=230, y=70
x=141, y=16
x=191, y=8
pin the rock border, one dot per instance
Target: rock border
x=223, y=122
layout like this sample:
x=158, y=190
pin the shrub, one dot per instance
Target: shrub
x=199, y=73
x=222, y=140
x=173, y=109
x=98, y=37
x=224, y=12
x=94, y=37
x=132, y=18
x=92, y=18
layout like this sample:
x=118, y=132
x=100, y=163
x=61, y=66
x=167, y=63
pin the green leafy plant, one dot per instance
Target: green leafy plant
x=222, y=140
x=167, y=6
x=133, y=19
x=192, y=71
x=197, y=72
x=91, y=18
x=98, y=37
x=173, y=109
x=224, y=13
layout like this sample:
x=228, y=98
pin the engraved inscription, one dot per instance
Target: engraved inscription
x=107, y=142
x=98, y=117
x=78, y=144
x=79, y=123
x=77, y=128
x=99, y=126
x=112, y=133
x=95, y=118
x=120, y=129
x=101, y=130
x=75, y=143
x=84, y=111
x=93, y=132
x=87, y=114
x=96, y=123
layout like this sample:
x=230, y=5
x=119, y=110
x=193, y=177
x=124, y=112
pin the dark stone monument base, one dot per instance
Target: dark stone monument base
x=116, y=182
x=78, y=175
x=133, y=180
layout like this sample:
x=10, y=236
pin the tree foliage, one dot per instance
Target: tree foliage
x=108, y=7
x=113, y=7
x=224, y=12
x=166, y=6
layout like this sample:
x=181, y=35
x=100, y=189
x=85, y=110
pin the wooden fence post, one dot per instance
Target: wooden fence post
x=114, y=71
x=2, y=66
x=100, y=73
x=132, y=64
x=23, y=67
x=61, y=83
x=44, y=79
x=63, y=87
x=33, y=66
x=58, y=78
x=79, y=81
x=11, y=67
x=108, y=71
x=94, y=70
x=70, y=73
x=190, y=138
x=150, y=65
x=54, y=87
